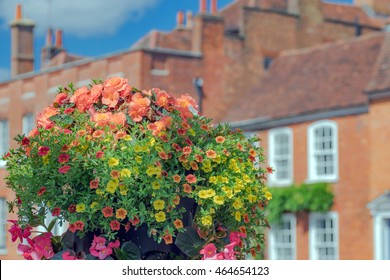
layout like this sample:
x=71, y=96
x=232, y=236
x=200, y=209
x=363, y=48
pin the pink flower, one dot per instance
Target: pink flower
x=43, y=150
x=25, y=141
x=43, y=245
x=99, y=248
x=64, y=169
x=63, y=158
x=68, y=257
x=99, y=154
x=191, y=178
x=79, y=225
x=228, y=251
x=104, y=253
x=235, y=237
x=107, y=212
x=56, y=211
x=209, y=251
x=17, y=232
x=114, y=244
x=61, y=98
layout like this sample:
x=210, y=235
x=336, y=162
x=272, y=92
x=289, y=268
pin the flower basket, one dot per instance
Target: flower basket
x=135, y=175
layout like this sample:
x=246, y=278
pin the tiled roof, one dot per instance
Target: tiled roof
x=339, y=12
x=331, y=76
x=381, y=77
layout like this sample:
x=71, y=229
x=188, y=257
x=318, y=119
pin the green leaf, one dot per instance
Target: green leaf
x=189, y=242
x=90, y=257
x=129, y=251
x=58, y=256
x=51, y=225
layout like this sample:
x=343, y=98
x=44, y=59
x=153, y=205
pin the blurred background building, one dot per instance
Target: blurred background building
x=310, y=77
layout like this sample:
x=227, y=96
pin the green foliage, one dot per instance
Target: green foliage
x=303, y=198
x=189, y=242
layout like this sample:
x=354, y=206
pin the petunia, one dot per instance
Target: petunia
x=64, y=169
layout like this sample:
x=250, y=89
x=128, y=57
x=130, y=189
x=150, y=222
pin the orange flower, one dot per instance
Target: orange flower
x=199, y=158
x=176, y=178
x=61, y=98
x=176, y=200
x=187, y=150
x=84, y=102
x=115, y=174
x=79, y=92
x=191, y=178
x=96, y=92
x=101, y=119
x=118, y=83
x=121, y=213
x=185, y=104
x=239, y=146
x=43, y=118
x=178, y=224
x=194, y=165
x=246, y=218
x=118, y=119
x=211, y=154
x=110, y=97
x=162, y=98
x=168, y=239
x=252, y=152
x=138, y=99
x=163, y=155
x=120, y=135
x=220, y=139
x=98, y=134
x=187, y=188
x=160, y=125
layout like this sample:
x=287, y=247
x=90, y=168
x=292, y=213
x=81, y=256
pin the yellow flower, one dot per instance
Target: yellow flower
x=155, y=185
x=152, y=141
x=80, y=207
x=212, y=211
x=137, y=149
x=138, y=159
x=123, y=189
x=99, y=192
x=207, y=169
x=237, y=204
x=268, y=195
x=150, y=170
x=213, y=180
x=206, y=193
x=160, y=217
x=246, y=178
x=207, y=220
x=125, y=172
x=94, y=205
x=127, y=138
x=113, y=162
x=218, y=200
x=229, y=192
x=112, y=186
x=237, y=216
x=252, y=198
x=159, y=204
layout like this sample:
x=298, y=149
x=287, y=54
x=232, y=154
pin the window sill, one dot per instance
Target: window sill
x=321, y=180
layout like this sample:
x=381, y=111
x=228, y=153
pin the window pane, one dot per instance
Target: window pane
x=283, y=241
x=3, y=218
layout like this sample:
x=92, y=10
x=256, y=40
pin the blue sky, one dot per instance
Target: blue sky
x=94, y=27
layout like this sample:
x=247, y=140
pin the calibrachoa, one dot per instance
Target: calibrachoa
x=109, y=157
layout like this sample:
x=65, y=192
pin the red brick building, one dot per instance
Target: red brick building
x=230, y=50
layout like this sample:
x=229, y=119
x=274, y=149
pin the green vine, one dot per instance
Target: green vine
x=303, y=198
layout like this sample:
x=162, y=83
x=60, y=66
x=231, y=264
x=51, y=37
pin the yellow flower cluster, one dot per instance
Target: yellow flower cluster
x=206, y=193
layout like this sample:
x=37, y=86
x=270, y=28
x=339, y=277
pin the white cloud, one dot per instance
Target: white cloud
x=78, y=17
x=4, y=74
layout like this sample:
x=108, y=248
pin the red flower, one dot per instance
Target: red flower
x=270, y=170
x=199, y=158
x=25, y=141
x=191, y=178
x=163, y=155
x=63, y=158
x=187, y=188
x=115, y=225
x=65, y=148
x=168, y=239
x=107, y=212
x=79, y=225
x=72, y=208
x=99, y=154
x=187, y=150
x=43, y=150
x=94, y=184
x=176, y=178
x=176, y=147
x=135, y=221
x=127, y=226
x=72, y=227
x=64, y=169
x=41, y=191
x=17, y=232
x=68, y=111
x=220, y=139
x=56, y=211
x=114, y=244
x=211, y=154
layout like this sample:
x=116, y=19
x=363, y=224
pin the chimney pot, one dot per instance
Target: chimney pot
x=214, y=7
x=59, y=38
x=190, y=20
x=180, y=19
x=49, y=37
x=203, y=5
x=18, y=13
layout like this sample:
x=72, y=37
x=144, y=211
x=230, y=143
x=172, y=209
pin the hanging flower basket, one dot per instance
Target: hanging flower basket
x=135, y=175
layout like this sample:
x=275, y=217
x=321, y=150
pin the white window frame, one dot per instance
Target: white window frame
x=28, y=123
x=3, y=228
x=4, y=136
x=273, y=246
x=312, y=171
x=381, y=239
x=273, y=181
x=313, y=243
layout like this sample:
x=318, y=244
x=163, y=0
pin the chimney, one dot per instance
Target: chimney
x=213, y=7
x=180, y=20
x=310, y=12
x=203, y=6
x=58, y=44
x=190, y=20
x=293, y=7
x=22, y=44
